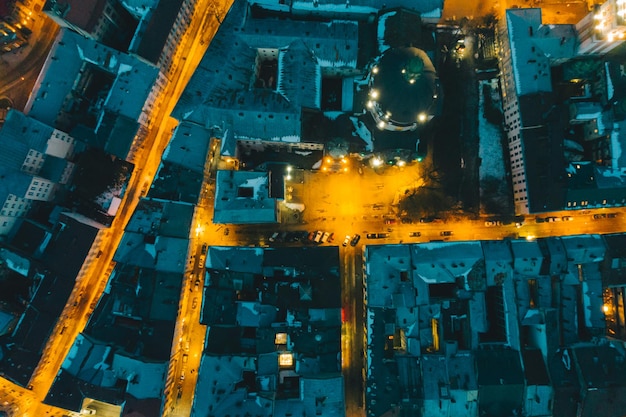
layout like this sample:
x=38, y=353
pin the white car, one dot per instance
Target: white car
x=346, y=241
x=325, y=237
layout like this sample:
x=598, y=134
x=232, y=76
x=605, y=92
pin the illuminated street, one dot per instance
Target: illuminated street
x=354, y=196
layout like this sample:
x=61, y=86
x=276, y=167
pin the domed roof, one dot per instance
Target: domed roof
x=403, y=88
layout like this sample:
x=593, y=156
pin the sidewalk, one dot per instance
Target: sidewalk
x=16, y=63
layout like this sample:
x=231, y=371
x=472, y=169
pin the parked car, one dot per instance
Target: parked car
x=567, y=218
x=274, y=236
x=318, y=236
x=611, y=215
x=346, y=241
x=426, y=220
x=382, y=235
x=371, y=236
x=406, y=220
x=355, y=239
x=325, y=237
x=204, y=249
x=446, y=233
x=415, y=234
x=553, y=219
x=599, y=216
x=490, y=223
x=390, y=221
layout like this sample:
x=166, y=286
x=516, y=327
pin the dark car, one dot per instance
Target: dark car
x=204, y=249
x=355, y=239
x=611, y=215
x=371, y=236
x=446, y=233
x=599, y=216
x=406, y=220
x=427, y=220
x=415, y=234
x=382, y=235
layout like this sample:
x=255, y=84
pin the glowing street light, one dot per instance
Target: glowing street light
x=376, y=161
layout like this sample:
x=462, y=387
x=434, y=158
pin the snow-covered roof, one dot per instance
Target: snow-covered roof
x=145, y=379
x=243, y=197
x=235, y=259
x=226, y=95
x=444, y=262
x=582, y=249
x=188, y=146
x=132, y=78
x=498, y=260
x=165, y=254
x=534, y=46
x=527, y=257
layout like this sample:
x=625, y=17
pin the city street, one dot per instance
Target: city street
x=97, y=267
x=363, y=200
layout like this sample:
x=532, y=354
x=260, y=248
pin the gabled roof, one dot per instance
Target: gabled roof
x=438, y=263
x=527, y=257
x=243, y=197
x=583, y=249
x=226, y=96
x=18, y=135
x=188, y=146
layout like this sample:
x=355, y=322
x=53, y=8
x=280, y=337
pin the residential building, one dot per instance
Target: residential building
x=35, y=162
x=545, y=68
x=483, y=326
x=134, y=320
x=96, y=89
x=56, y=255
x=244, y=197
x=603, y=29
x=273, y=345
x=270, y=74
x=105, y=21
x=181, y=173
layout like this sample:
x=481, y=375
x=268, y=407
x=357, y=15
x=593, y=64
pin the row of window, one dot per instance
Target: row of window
x=8, y=205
